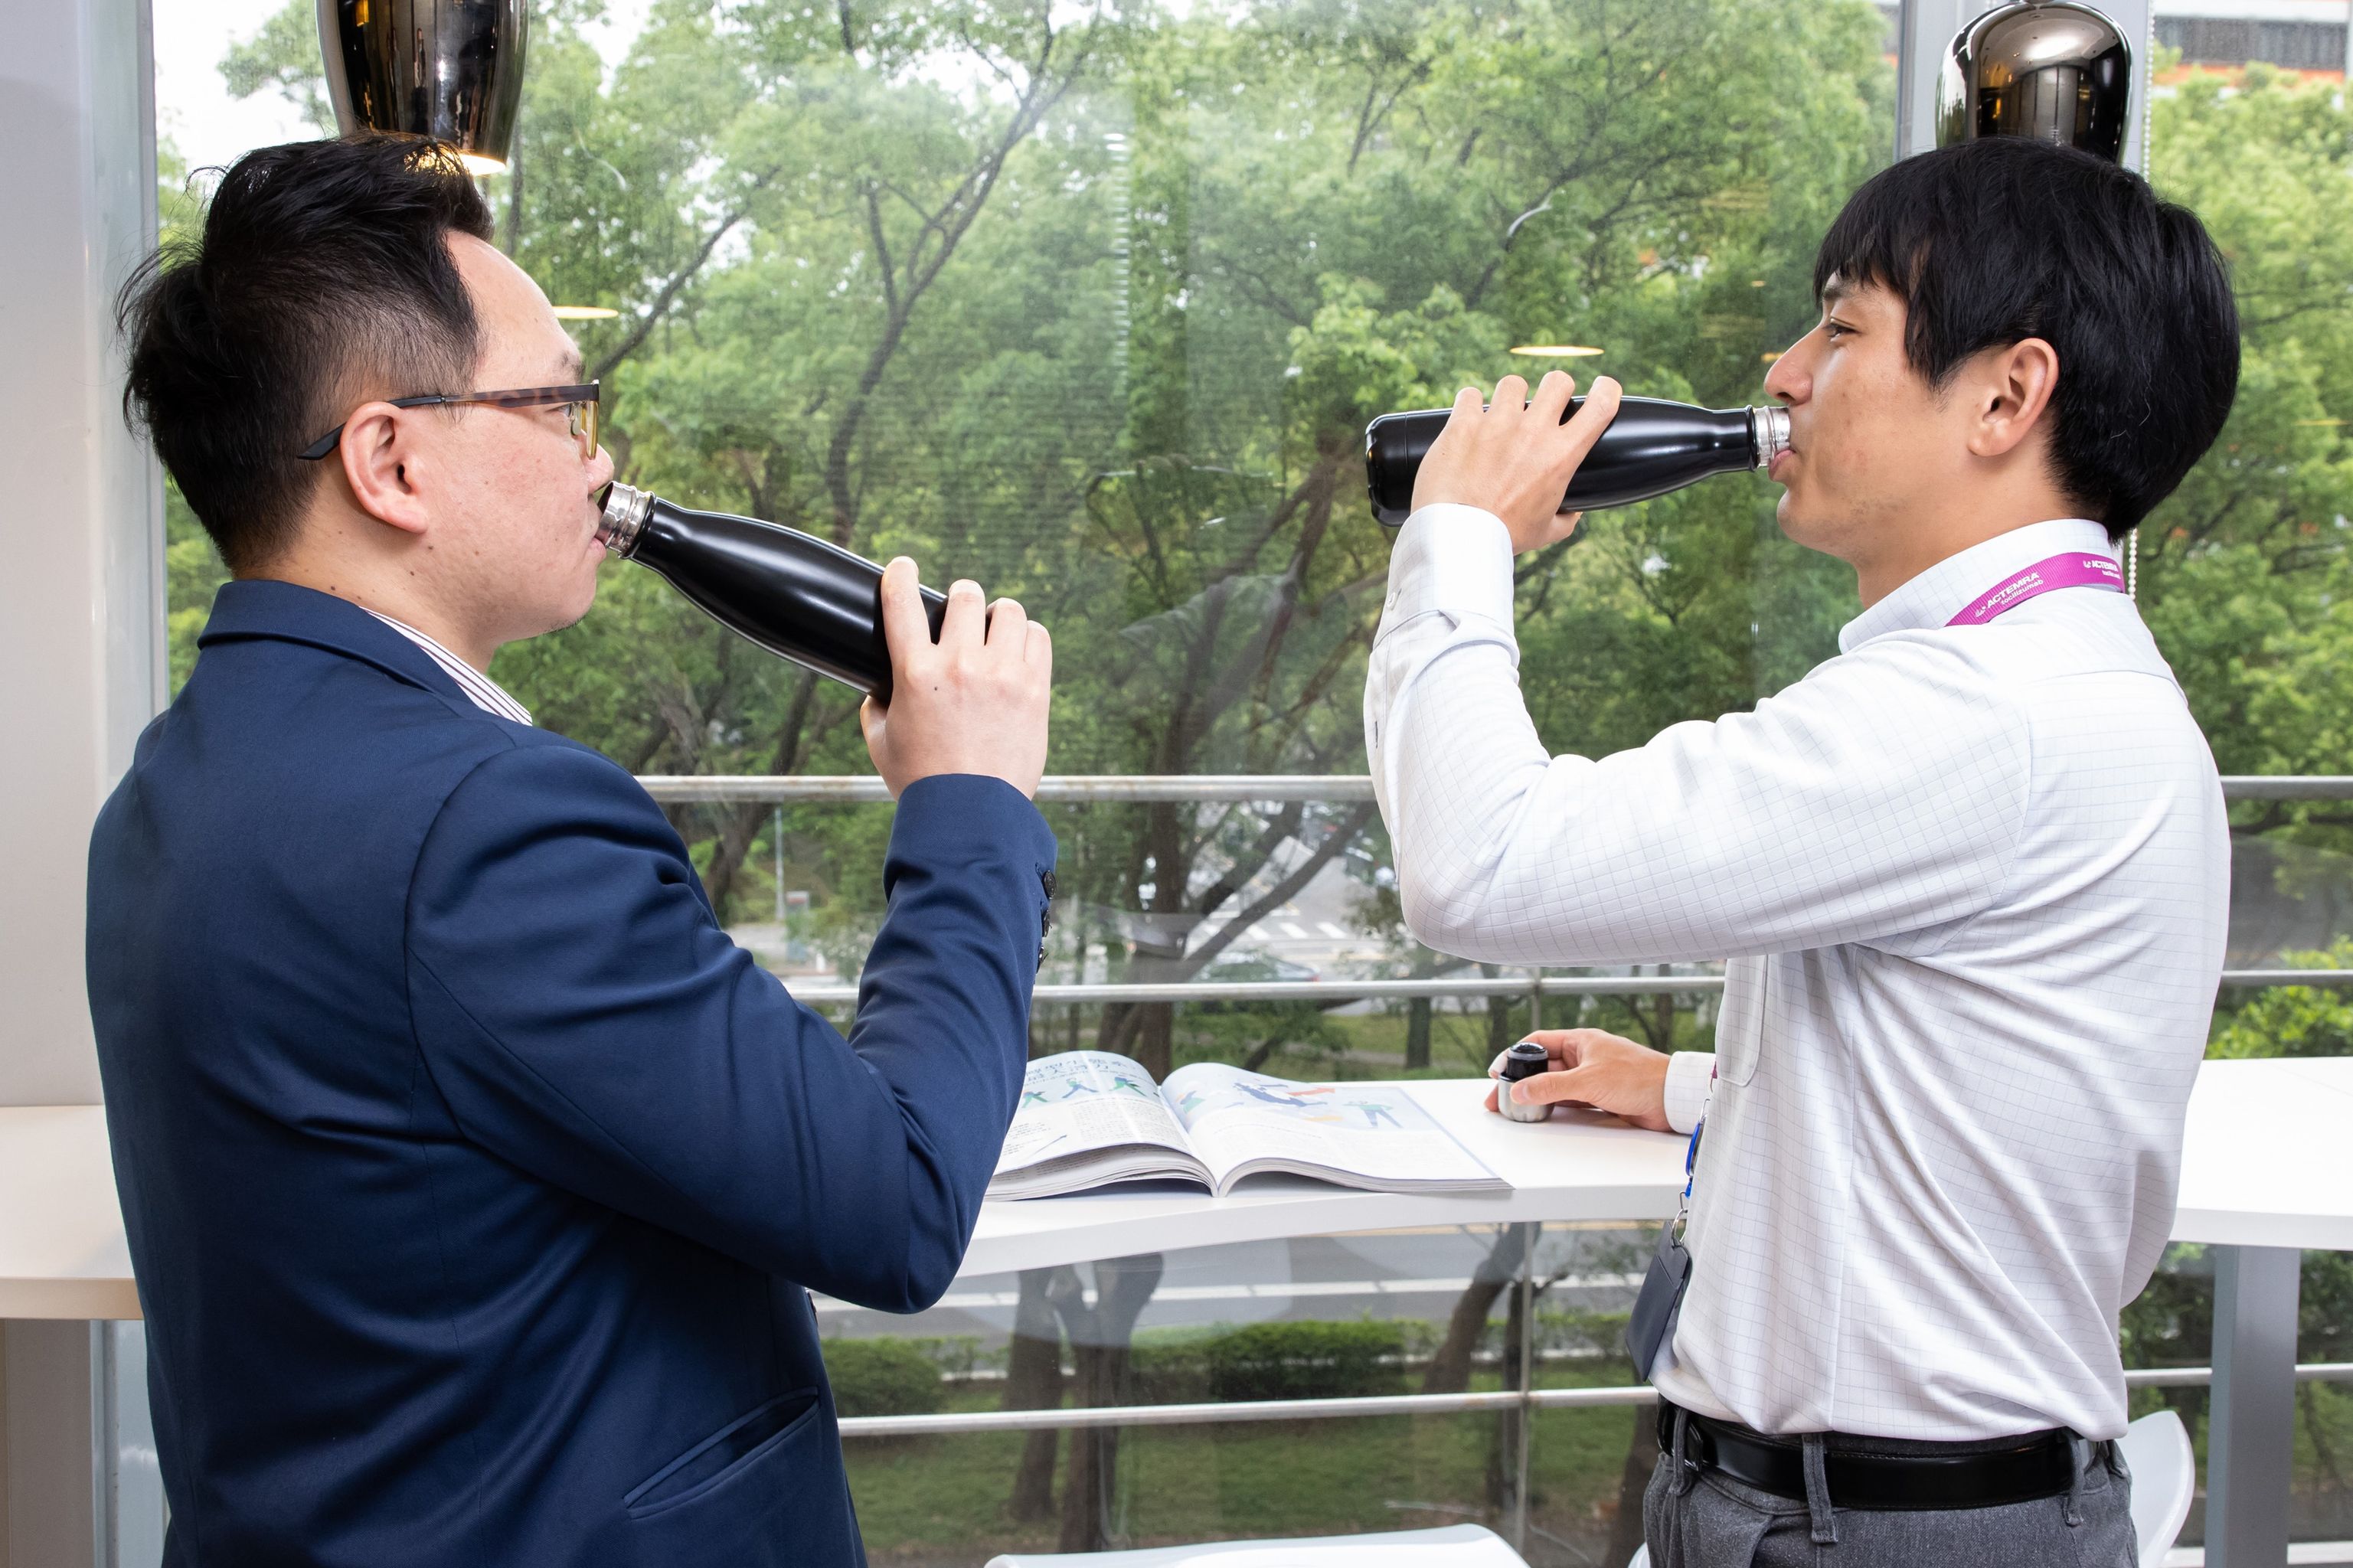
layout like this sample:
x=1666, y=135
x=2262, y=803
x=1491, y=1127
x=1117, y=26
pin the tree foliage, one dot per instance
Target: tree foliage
x=2244, y=570
x=2291, y=1020
x=1092, y=302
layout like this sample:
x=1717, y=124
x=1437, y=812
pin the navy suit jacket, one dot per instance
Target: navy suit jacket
x=473, y=1177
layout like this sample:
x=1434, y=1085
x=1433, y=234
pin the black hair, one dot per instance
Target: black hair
x=2004, y=239
x=322, y=279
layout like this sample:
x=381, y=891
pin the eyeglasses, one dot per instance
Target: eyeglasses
x=580, y=402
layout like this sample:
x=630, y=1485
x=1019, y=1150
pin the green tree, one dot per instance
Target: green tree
x=282, y=57
x=2244, y=572
x=1098, y=311
x=2291, y=1020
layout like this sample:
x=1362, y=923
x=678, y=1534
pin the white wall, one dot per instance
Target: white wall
x=81, y=654
x=80, y=505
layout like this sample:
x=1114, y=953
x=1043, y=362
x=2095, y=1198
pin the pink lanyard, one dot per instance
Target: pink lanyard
x=2084, y=570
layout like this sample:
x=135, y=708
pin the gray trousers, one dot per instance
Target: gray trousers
x=1695, y=1518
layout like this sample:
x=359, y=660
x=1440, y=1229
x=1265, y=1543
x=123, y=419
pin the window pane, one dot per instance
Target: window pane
x=2244, y=570
x=1433, y=1312
x=1097, y=317
x=2243, y=578
x=1103, y=328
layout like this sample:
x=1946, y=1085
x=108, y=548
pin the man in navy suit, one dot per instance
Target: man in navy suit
x=475, y=1180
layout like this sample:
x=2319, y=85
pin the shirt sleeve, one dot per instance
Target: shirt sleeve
x=584, y=1018
x=1882, y=797
x=1690, y=1076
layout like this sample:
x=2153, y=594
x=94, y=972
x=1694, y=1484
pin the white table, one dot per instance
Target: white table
x=62, y=1250
x=2265, y=1172
x=1575, y=1167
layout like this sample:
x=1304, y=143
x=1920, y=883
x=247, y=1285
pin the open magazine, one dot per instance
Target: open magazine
x=1090, y=1118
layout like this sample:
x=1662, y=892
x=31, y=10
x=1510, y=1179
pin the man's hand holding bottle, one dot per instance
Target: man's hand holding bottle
x=1515, y=457
x=976, y=701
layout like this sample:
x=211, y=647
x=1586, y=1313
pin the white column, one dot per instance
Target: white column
x=2251, y=1422
x=1924, y=29
x=81, y=670
x=2135, y=19
x=82, y=639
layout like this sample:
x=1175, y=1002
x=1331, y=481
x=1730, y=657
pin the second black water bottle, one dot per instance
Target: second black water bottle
x=792, y=593
x=1651, y=448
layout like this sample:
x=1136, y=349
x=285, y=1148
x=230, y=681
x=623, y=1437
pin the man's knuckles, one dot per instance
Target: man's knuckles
x=1545, y=1088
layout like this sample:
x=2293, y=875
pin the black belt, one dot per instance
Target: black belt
x=2041, y=1465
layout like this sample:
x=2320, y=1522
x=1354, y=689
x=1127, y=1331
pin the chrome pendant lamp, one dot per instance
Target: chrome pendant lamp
x=450, y=70
x=2050, y=69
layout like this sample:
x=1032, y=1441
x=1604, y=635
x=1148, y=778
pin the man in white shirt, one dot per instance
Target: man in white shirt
x=1970, y=877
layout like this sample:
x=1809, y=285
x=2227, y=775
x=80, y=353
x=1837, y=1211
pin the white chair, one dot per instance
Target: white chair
x=1454, y=1546
x=2164, y=1478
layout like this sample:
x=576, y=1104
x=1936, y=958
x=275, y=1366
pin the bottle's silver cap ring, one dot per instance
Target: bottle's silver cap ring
x=1769, y=433
x=625, y=513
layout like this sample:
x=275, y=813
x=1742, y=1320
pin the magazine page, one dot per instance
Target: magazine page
x=1358, y=1134
x=1087, y=1118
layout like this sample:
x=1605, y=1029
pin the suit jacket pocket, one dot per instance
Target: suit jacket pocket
x=737, y=1446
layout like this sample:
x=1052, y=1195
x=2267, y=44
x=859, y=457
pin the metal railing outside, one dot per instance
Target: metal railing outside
x=1062, y=789
x=838, y=992
x=849, y=789
x=1056, y=789
x=1389, y=1405
x=1520, y=985
x=1523, y=1402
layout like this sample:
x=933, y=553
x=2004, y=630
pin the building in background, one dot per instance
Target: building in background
x=2306, y=36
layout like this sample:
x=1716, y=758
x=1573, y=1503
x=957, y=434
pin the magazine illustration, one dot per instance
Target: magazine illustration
x=1089, y=1119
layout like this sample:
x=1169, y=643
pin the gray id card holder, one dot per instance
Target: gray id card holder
x=1660, y=1299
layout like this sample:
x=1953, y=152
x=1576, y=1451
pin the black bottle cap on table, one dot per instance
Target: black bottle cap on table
x=1522, y=1061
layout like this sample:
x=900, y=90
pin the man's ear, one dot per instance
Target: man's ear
x=379, y=455
x=2009, y=389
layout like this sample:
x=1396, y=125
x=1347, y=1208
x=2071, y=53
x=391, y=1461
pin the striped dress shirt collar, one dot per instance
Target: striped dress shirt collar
x=485, y=693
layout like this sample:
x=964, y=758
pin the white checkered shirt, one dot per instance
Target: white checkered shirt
x=1971, y=884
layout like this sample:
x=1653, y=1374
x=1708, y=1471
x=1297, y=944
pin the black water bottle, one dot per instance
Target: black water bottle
x=1526, y=1060
x=1651, y=448
x=797, y=595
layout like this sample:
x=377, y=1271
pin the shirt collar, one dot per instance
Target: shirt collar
x=481, y=690
x=251, y=608
x=1944, y=590
x=259, y=607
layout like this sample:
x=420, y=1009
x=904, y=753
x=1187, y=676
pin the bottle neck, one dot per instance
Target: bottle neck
x=1768, y=435
x=626, y=511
